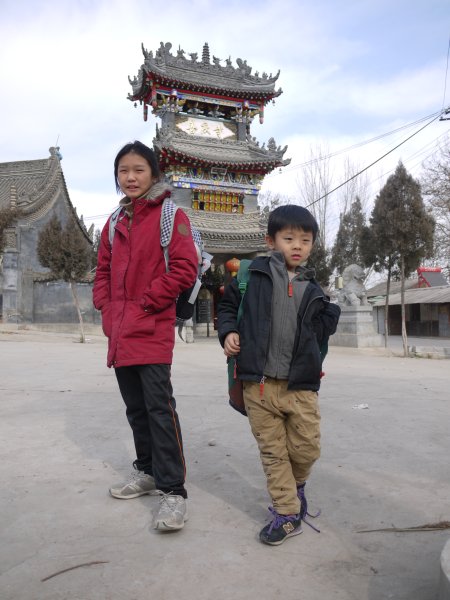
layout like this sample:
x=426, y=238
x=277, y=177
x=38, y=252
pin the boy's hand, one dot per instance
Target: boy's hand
x=231, y=345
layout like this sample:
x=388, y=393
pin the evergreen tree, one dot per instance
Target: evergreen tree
x=319, y=260
x=95, y=247
x=347, y=246
x=64, y=251
x=402, y=232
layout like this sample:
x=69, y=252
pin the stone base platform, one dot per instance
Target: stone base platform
x=356, y=329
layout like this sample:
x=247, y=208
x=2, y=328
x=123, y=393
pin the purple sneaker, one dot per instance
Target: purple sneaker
x=280, y=528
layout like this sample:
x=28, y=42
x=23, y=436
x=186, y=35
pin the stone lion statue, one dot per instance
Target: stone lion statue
x=353, y=293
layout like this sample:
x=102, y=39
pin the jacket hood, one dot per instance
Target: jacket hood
x=305, y=272
x=261, y=263
x=155, y=195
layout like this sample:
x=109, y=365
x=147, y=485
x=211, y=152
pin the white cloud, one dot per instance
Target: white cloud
x=65, y=67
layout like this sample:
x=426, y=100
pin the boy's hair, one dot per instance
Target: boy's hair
x=144, y=151
x=294, y=216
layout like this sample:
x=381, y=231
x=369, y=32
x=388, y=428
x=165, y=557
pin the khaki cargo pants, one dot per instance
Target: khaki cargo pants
x=286, y=426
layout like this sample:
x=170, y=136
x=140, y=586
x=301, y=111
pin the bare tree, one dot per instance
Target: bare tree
x=268, y=200
x=356, y=186
x=314, y=185
x=436, y=190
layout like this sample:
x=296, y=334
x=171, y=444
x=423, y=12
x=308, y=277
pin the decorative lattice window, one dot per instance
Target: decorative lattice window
x=216, y=201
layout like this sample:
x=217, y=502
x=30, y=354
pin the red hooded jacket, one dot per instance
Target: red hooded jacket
x=132, y=288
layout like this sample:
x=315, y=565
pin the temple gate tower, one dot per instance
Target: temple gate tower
x=204, y=145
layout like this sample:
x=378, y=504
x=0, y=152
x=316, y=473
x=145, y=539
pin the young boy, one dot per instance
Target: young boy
x=281, y=341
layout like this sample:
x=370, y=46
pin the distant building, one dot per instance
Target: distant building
x=430, y=277
x=38, y=189
x=427, y=305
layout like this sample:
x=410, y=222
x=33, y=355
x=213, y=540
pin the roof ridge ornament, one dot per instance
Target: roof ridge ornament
x=205, y=55
x=164, y=61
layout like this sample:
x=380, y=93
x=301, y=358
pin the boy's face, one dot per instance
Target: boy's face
x=295, y=245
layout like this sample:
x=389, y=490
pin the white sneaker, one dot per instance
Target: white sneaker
x=171, y=514
x=139, y=484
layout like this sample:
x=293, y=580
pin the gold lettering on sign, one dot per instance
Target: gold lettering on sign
x=191, y=127
x=205, y=129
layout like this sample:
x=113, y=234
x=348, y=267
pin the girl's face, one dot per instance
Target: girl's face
x=134, y=175
x=295, y=245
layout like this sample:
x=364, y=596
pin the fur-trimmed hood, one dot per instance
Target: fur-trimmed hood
x=156, y=194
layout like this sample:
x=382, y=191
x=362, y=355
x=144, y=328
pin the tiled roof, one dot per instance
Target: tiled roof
x=380, y=288
x=32, y=185
x=433, y=278
x=220, y=151
x=431, y=295
x=202, y=75
x=229, y=231
x=24, y=180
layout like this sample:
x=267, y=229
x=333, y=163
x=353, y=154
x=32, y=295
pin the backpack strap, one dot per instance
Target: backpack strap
x=242, y=277
x=169, y=208
x=113, y=222
x=168, y=212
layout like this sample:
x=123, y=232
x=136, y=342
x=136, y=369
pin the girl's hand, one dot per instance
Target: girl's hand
x=231, y=345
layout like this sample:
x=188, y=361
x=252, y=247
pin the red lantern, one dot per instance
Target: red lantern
x=232, y=266
x=221, y=290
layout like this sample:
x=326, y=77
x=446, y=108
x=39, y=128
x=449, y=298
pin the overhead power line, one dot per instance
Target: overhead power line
x=375, y=161
x=94, y=217
x=353, y=146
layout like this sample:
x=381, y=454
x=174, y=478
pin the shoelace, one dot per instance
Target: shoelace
x=165, y=500
x=279, y=520
x=164, y=497
x=304, y=508
x=136, y=476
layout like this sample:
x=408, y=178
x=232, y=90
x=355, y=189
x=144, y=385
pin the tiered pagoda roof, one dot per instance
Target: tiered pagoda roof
x=175, y=145
x=192, y=74
x=230, y=232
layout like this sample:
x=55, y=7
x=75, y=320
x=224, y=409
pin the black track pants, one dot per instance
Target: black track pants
x=151, y=413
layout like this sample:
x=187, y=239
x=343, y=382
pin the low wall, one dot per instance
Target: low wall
x=53, y=303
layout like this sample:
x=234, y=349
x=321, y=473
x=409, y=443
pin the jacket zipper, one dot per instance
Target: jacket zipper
x=319, y=297
x=124, y=290
x=263, y=377
x=261, y=386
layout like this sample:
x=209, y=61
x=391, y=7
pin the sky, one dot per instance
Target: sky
x=351, y=71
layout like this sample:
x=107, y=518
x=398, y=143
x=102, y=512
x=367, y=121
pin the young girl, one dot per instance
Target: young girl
x=136, y=295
